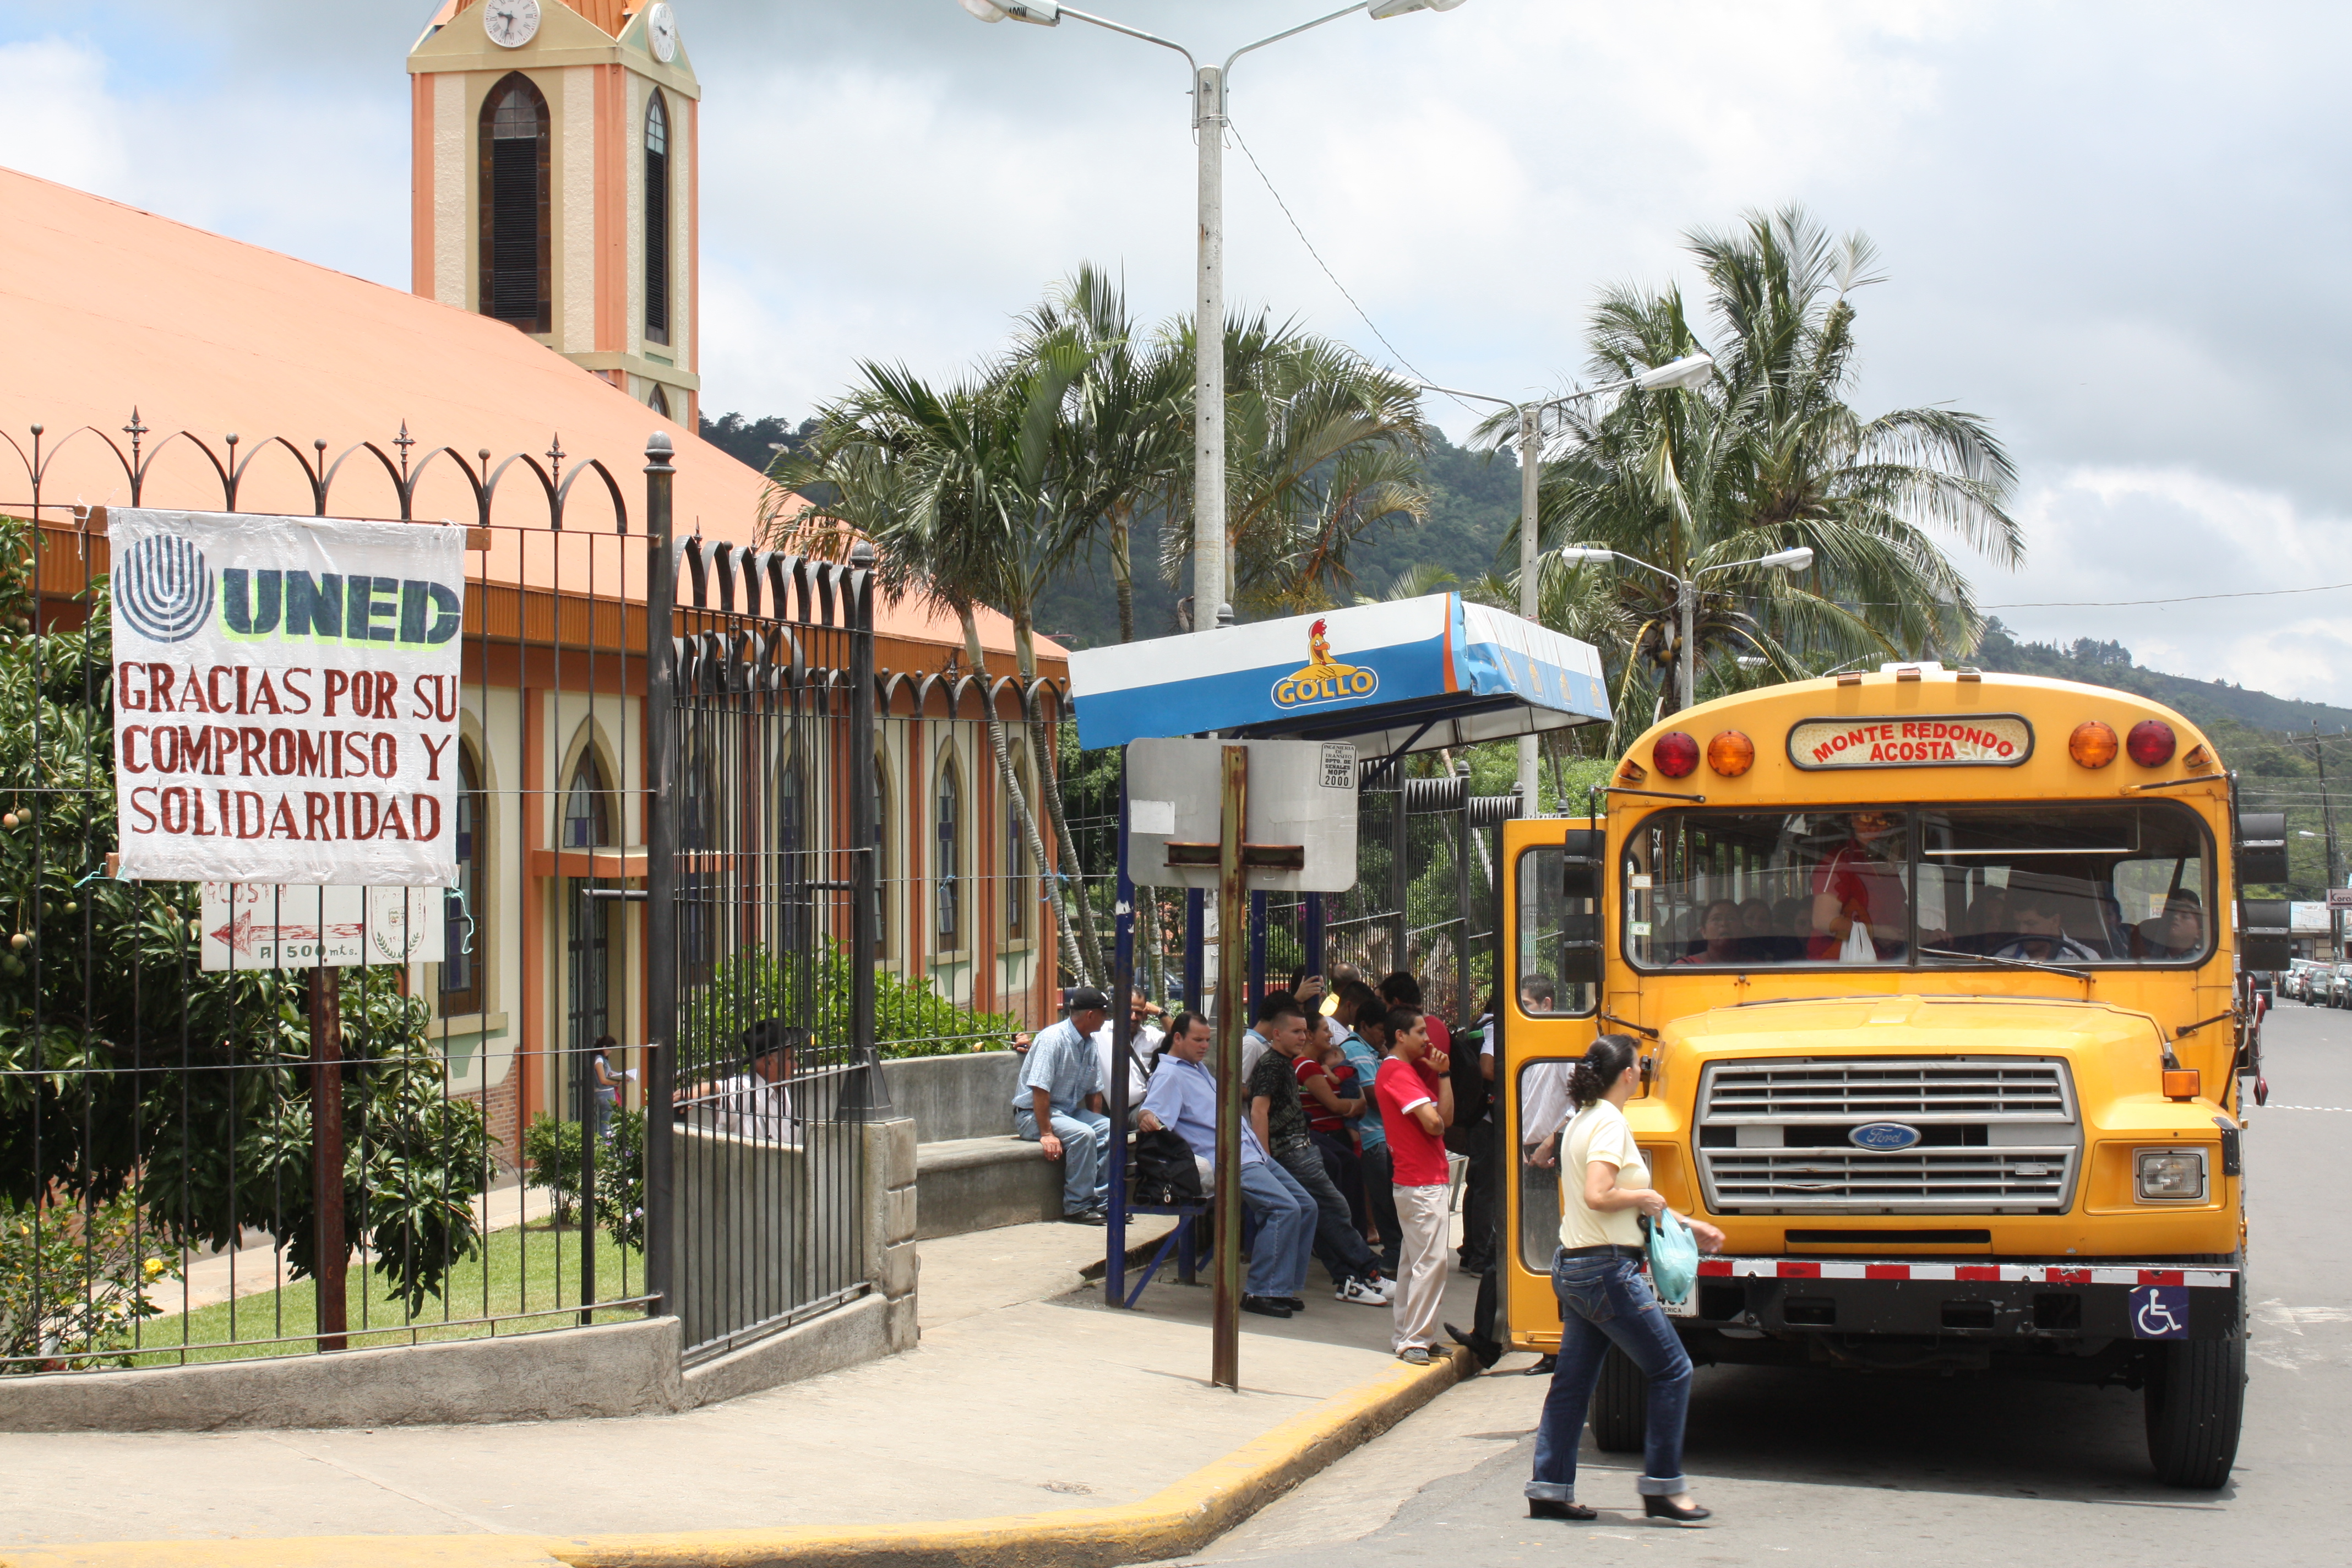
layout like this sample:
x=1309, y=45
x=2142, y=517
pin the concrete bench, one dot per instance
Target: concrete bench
x=978, y=1184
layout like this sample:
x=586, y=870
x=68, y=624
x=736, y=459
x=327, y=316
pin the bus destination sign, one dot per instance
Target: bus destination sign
x=1979, y=741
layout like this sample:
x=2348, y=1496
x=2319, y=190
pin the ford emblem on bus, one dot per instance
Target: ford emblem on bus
x=1884, y=1136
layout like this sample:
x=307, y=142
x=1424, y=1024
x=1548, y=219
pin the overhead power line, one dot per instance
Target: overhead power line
x=2183, y=599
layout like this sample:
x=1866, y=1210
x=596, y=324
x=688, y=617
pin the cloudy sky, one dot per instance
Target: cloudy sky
x=2119, y=230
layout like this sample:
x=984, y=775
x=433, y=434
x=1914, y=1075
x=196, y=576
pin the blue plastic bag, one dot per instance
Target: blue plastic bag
x=1674, y=1258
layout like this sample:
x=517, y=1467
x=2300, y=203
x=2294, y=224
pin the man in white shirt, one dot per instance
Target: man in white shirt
x=1142, y=1042
x=756, y=1103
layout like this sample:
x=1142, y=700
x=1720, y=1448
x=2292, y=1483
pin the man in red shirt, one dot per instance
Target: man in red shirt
x=1416, y=1101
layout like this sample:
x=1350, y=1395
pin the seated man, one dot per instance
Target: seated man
x=1183, y=1098
x=1142, y=1046
x=2040, y=930
x=1280, y=1118
x=1057, y=1105
x=2176, y=934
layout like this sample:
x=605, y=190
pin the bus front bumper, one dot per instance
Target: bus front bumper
x=2093, y=1299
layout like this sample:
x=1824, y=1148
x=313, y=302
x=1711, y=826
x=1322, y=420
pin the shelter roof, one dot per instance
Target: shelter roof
x=1412, y=676
x=107, y=307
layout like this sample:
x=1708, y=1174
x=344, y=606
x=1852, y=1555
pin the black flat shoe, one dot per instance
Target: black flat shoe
x=1659, y=1508
x=1487, y=1351
x=1265, y=1306
x=1542, y=1368
x=1545, y=1507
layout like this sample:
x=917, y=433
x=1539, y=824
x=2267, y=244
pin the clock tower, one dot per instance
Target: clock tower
x=554, y=151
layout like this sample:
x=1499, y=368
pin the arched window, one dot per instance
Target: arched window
x=950, y=878
x=461, y=907
x=656, y=222
x=659, y=403
x=587, y=811
x=514, y=206
x=1016, y=866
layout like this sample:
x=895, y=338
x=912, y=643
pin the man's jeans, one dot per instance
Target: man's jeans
x=1337, y=1242
x=1380, y=1171
x=1084, y=1135
x=1606, y=1300
x=1286, y=1229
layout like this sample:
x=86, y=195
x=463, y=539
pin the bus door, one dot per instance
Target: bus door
x=1549, y=1013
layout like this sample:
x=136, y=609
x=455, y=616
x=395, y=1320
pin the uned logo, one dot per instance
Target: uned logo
x=163, y=589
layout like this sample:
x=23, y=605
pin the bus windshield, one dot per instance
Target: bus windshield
x=1923, y=887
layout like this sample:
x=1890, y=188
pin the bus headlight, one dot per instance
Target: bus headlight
x=2169, y=1175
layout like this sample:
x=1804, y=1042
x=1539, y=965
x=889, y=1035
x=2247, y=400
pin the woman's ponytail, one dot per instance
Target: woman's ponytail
x=1604, y=1063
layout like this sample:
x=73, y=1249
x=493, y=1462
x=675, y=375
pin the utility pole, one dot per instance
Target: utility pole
x=2328, y=819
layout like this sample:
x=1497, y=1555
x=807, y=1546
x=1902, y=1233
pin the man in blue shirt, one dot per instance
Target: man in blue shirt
x=1184, y=1096
x=1057, y=1105
x=1361, y=1007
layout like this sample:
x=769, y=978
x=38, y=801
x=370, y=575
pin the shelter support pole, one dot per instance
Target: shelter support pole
x=661, y=882
x=1311, y=938
x=327, y=1154
x=1256, y=954
x=1209, y=588
x=1399, y=878
x=1122, y=1056
x=1530, y=478
x=1196, y=939
x=1225, y=1340
x=1465, y=1005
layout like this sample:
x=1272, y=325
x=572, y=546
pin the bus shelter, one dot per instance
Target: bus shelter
x=1391, y=679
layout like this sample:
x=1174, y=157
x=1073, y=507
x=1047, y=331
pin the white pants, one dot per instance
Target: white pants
x=1420, y=1266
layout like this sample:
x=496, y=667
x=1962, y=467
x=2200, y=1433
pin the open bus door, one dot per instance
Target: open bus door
x=1551, y=925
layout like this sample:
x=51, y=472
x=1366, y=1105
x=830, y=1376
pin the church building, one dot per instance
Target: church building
x=552, y=316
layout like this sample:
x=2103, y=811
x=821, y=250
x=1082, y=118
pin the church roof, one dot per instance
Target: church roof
x=106, y=307
x=610, y=14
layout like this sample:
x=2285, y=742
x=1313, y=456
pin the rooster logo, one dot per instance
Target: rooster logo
x=1324, y=678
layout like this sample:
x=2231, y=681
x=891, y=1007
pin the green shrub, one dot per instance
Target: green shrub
x=813, y=990
x=621, y=1180
x=73, y=1282
x=550, y=1152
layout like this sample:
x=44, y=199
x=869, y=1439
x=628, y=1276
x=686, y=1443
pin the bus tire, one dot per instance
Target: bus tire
x=1620, y=1405
x=2195, y=1399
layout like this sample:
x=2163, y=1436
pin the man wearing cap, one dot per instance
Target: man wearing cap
x=1057, y=1105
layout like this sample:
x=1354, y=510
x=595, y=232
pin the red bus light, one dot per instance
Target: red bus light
x=1675, y=753
x=2151, y=743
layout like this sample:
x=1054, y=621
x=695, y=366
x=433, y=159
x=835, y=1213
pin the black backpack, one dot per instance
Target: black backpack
x=1165, y=1172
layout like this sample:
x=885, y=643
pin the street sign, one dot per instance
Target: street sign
x=2339, y=898
x=261, y=925
x=1302, y=814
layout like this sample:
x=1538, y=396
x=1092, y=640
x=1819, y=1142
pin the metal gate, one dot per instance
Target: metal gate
x=760, y=893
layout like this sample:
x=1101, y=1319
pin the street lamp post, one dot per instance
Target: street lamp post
x=1686, y=596
x=1209, y=585
x=1690, y=370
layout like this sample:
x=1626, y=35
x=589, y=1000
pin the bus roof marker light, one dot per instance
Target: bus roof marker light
x=2093, y=744
x=2150, y=743
x=1731, y=754
x=1676, y=754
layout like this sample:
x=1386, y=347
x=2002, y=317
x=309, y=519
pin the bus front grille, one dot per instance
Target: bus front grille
x=1957, y=1181
x=1900, y=1088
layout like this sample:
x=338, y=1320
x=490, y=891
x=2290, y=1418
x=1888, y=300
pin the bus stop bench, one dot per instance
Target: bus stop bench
x=965, y=1185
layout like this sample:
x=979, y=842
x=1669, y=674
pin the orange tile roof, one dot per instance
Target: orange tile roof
x=105, y=308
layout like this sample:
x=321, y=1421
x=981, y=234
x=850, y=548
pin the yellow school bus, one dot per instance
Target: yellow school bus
x=1933, y=974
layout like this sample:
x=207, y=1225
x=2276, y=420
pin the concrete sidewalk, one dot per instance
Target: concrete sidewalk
x=1026, y=1395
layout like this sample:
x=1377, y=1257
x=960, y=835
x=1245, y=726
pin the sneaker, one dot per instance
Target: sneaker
x=1414, y=1356
x=1386, y=1286
x=1363, y=1292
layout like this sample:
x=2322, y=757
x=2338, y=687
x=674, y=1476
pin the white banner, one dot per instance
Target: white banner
x=286, y=699
x=257, y=925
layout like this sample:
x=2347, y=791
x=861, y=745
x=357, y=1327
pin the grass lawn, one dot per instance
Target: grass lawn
x=519, y=1273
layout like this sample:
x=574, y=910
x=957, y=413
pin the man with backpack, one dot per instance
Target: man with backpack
x=1182, y=1100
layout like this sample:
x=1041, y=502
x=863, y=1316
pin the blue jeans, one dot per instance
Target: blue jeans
x=1337, y=1242
x=1286, y=1229
x=1607, y=1300
x=1084, y=1135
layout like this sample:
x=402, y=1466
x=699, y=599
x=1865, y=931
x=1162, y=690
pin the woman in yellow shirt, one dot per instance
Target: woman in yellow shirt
x=1605, y=1298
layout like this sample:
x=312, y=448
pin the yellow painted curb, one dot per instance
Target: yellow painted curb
x=1182, y=1518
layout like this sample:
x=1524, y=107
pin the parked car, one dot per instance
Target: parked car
x=2340, y=986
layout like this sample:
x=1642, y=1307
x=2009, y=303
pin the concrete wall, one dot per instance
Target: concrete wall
x=617, y=1369
x=949, y=1097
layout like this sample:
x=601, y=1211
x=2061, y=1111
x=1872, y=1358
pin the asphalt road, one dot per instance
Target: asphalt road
x=1850, y=1469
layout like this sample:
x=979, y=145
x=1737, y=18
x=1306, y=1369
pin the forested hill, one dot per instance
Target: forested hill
x=2208, y=702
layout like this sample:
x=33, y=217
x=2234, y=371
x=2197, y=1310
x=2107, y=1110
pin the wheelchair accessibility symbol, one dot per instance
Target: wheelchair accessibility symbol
x=2160, y=1312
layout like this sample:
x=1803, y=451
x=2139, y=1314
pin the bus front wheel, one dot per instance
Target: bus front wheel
x=2195, y=1399
x=1620, y=1405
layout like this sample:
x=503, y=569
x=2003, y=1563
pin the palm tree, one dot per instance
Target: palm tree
x=949, y=486
x=1771, y=456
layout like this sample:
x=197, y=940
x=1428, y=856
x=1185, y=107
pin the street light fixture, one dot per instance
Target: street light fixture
x=1689, y=370
x=1795, y=559
x=1209, y=586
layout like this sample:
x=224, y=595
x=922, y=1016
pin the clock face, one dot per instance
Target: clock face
x=510, y=24
x=661, y=27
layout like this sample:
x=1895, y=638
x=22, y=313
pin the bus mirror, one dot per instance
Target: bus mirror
x=1579, y=881
x=2261, y=850
x=2264, y=934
